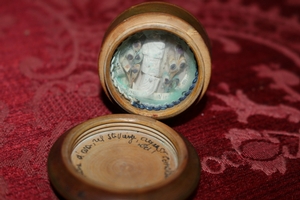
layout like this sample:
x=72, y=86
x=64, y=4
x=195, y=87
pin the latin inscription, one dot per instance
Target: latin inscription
x=143, y=142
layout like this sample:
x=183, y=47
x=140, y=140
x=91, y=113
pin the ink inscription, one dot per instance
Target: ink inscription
x=145, y=143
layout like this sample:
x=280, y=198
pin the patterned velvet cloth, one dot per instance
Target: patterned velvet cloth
x=246, y=129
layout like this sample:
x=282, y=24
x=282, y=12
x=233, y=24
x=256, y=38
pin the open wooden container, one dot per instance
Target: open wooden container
x=176, y=66
x=154, y=63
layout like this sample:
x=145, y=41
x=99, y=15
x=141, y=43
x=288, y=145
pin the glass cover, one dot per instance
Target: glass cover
x=154, y=69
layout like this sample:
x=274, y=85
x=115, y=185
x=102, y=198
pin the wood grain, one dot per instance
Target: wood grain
x=123, y=167
x=156, y=16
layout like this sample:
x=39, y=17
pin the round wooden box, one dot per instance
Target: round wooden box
x=154, y=63
x=123, y=156
x=155, y=60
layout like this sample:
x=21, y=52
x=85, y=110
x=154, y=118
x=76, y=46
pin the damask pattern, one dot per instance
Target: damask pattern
x=246, y=129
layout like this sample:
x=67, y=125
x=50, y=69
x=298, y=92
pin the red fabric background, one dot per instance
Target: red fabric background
x=246, y=129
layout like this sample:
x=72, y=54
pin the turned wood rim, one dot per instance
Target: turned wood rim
x=158, y=16
x=72, y=185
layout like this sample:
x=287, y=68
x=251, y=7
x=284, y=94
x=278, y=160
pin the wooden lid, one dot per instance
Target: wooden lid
x=155, y=60
x=123, y=156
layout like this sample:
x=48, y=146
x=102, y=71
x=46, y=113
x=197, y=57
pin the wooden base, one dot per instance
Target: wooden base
x=123, y=157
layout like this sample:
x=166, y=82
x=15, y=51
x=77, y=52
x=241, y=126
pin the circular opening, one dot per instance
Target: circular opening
x=124, y=156
x=154, y=70
x=134, y=68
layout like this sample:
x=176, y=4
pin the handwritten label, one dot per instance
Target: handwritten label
x=143, y=141
x=129, y=137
